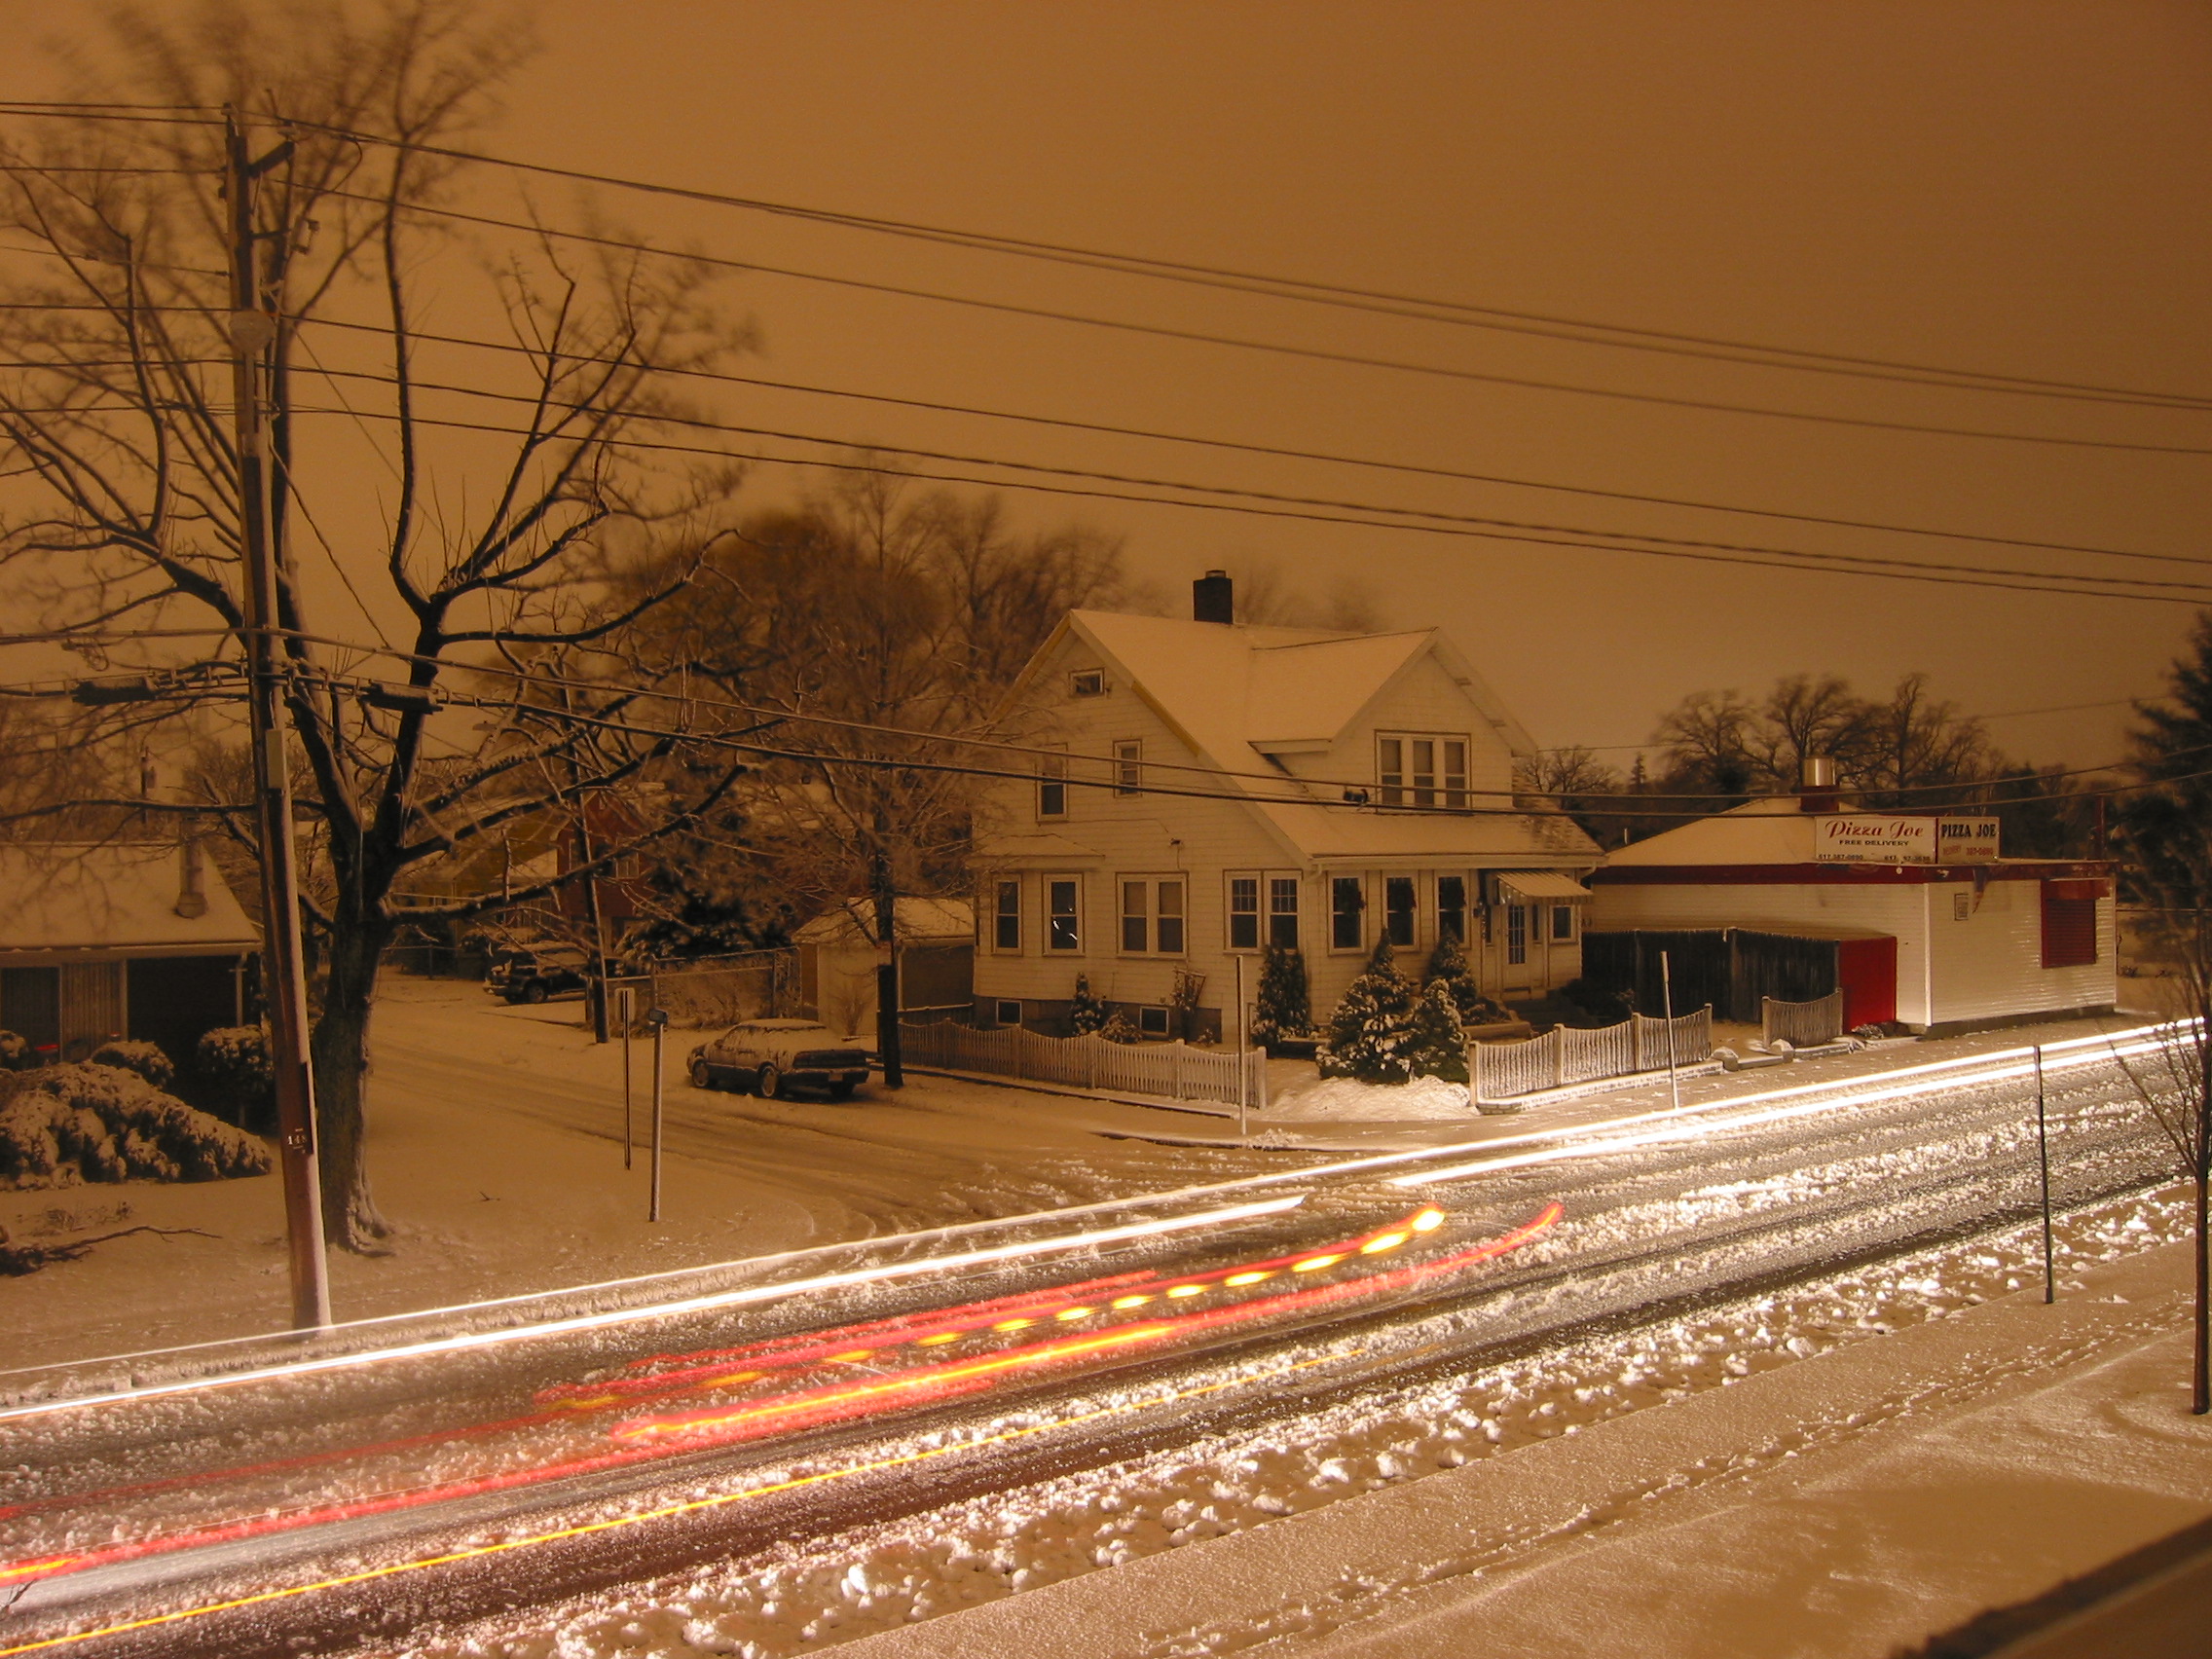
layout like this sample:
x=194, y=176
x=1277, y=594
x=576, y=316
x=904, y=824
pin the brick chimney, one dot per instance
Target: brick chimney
x=1816, y=792
x=1213, y=598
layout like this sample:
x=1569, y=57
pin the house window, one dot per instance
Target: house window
x=1516, y=934
x=2070, y=924
x=1282, y=911
x=1243, y=912
x=1136, y=917
x=1345, y=902
x=1088, y=682
x=1007, y=1012
x=1169, y=930
x=1562, y=922
x=1420, y=771
x=1052, y=786
x=1398, y=910
x=1063, y=927
x=1152, y=916
x=1128, y=767
x=1452, y=907
x=1152, y=1022
x=1006, y=919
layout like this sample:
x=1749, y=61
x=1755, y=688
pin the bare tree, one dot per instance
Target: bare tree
x=871, y=610
x=502, y=532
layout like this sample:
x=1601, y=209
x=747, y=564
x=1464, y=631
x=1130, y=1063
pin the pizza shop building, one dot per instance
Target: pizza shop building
x=1915, y=917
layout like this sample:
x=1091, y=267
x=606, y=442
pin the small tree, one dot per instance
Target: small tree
x=1087, y=1013
x=1435, y=1045
x=1448, y=967
x=1369, y=1031
x=1284, y=1006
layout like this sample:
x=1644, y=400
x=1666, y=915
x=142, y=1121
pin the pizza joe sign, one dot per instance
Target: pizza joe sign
x=1872, y=837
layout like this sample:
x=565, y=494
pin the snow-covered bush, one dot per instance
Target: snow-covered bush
x=145, y=1059
x=234, y=1070
x=1435, y=1044
x=1369, y=1030
x=1284, y=1006
x=15, y=1052
x=1119, y=1028
x=93, y=1122
x=1448, y=966
x=1087, y=1013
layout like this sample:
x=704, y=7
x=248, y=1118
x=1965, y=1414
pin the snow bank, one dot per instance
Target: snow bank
x=1343, y=1098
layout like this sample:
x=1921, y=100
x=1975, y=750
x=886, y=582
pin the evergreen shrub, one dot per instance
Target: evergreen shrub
x=1087, y=1012
x=145, y=1059
x=1284, y=1005
x=1436, y=1045
x=96, y=1122
x=1368, y=1033
x=1447, y=964
x=237, y=1077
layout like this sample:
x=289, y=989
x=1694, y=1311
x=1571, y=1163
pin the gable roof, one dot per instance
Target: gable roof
x=1774, y=829
x=1239, y=695
x=115, y=899
x=852, y=923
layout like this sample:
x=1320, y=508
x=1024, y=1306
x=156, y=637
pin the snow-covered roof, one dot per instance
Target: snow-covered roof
x=918, y=921
x=1238, y=695
x=1772, y=830
x=116, y=897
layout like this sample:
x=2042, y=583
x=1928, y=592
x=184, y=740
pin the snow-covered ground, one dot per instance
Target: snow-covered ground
x=2102, y=1444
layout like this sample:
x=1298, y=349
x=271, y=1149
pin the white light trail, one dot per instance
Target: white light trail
x=660, y=1310
x=1727, y=1122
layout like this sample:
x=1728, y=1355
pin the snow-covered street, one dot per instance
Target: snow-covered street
x=1410, y=1310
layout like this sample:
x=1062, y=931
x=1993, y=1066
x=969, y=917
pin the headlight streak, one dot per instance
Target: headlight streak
x=650, y=1439
x=689, y=1507
x=477, y=1340
x=1599, y=1146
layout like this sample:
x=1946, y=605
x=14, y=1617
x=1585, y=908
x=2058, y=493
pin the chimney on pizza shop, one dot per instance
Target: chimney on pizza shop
x=1213, y=598
x=1817, y=791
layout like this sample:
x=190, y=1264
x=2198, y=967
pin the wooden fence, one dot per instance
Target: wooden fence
x=1564, y=1054
x=1168, y=1071
x=1820, y=1020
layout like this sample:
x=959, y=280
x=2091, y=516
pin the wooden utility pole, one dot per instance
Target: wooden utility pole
x=252, y=328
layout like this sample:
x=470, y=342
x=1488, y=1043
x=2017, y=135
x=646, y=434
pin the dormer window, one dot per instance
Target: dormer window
x=1088, y=682
x=1420, y=769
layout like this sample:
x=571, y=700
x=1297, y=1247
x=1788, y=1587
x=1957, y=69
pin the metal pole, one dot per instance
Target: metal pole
x=627, y=1000
x=658, y=1019
x=2043, y=1151
x=1243, y=1058
x=252, y=327
x=1667, y=1007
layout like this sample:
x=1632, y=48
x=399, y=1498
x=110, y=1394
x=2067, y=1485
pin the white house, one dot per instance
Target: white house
x=1914, y=916
x=1214, y=787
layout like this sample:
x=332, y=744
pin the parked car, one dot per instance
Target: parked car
x=771, y=1057
x=532, y=975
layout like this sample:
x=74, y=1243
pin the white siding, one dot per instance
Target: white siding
x=1991, y=964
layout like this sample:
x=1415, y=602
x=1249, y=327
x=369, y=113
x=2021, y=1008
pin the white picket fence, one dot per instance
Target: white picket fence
x=1801, y=1025
x=1167, y=1071
x=1564, y=1054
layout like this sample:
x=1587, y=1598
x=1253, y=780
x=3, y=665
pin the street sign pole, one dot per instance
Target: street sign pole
x=1667, y=1007
x=626, y=1003
x=657, y=1018
x=2043, y=1159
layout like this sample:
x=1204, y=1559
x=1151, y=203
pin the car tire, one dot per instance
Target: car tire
x=770, y=1083
x=841, y=1090
x=533, y=993
x=702, y=1074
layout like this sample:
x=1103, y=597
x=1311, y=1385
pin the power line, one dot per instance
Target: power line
x=1307, y=353
x=1269, y=503
x=1281, y=453
x=1428, y=308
